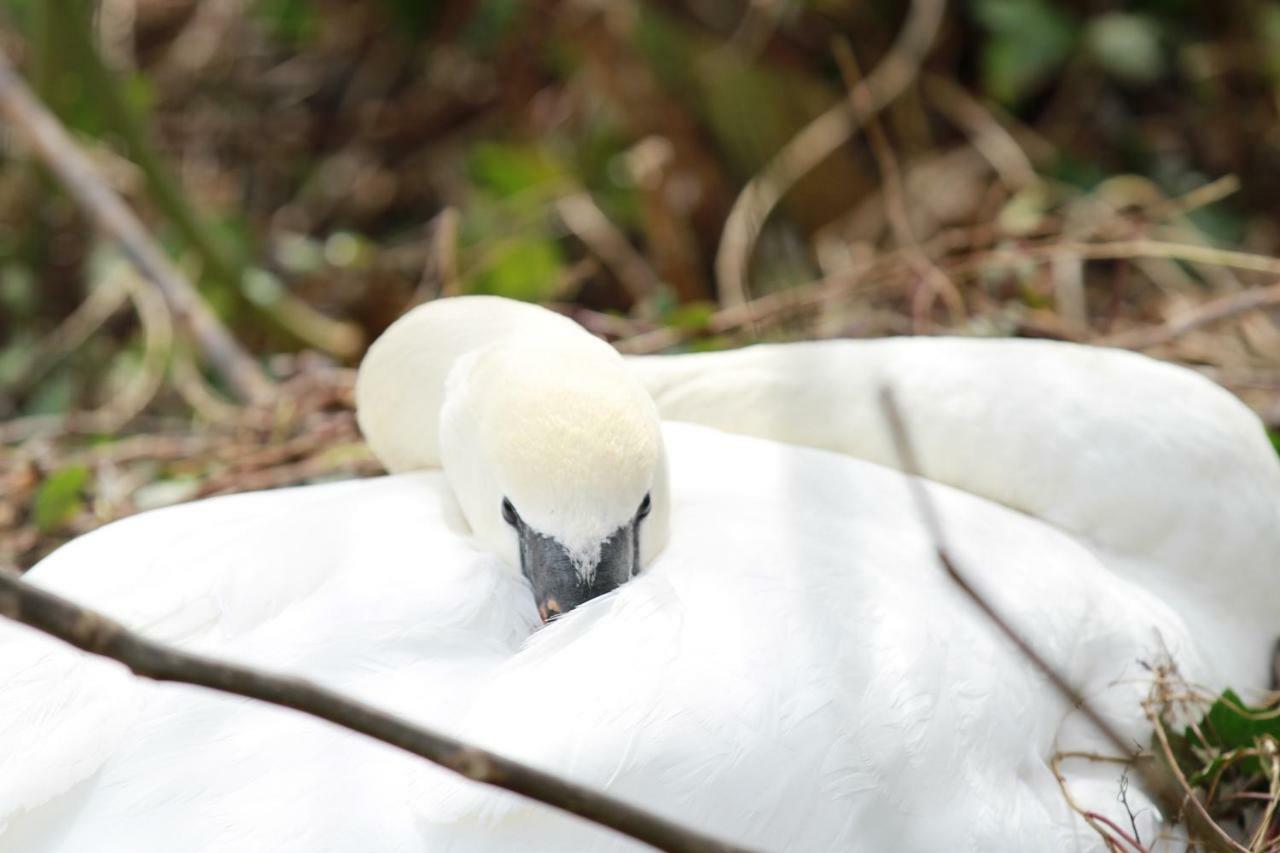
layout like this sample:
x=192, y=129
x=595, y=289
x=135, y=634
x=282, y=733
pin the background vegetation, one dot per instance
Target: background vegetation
x=1096, y=171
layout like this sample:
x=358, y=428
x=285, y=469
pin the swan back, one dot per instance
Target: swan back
x=1159, y=469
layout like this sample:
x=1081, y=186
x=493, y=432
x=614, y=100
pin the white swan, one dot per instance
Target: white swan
x=791, y=671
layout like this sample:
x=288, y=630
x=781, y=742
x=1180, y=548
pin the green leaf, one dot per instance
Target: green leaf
x=1230, y=724
x=692, y=316
x=290, y=21
x=1028, y=40
x=510, y=169
x=526, y=268
x=59, y=497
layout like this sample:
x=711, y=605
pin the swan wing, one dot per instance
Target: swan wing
x=365, y=587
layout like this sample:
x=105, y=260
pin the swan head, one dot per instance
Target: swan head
x=555, y=455
x=552, y=449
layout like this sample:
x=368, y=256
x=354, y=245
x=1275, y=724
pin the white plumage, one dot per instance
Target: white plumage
x=792, y=671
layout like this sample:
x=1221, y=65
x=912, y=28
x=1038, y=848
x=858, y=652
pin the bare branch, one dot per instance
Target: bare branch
x=50, y=142
x=95, y=633
x=813, y=144
x=1213, y=311
x=988, y=137
x=582, y=216
x=1168, y=786
x=935, y=281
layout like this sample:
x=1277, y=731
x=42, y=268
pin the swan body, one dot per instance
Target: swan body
x=1166, y=476
x=791, y=671
x=803, y=682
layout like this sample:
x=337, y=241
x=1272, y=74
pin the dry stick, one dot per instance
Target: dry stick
x=54, y=147
x=1118, y=249
x=813, y=144
x=895, y=194
x=581, y=215
x=1198, y=816
x=1055, y=767
x=103, y=301
x=95, y=633
x=1128, y=839
x=988, y=136
x=1210, y=312
x=1162, y=787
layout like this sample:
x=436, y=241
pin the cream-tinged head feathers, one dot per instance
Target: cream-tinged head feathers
x=572, y=442
x=553, y=450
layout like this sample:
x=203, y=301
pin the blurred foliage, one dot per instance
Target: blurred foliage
x=317, y=167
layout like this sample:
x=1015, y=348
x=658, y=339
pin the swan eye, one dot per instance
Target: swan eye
x=509, y=513
x=645, y=506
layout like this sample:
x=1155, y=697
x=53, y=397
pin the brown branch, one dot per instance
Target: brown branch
x=935, y=281
x=1210, y=312
x=986, y=134
x=582, y=216
x=1170, y=789
x=51, y=143
x=99, y=635
x=1111, y=824
x=813, y=144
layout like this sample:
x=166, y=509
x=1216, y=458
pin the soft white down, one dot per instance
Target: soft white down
x=792, y=671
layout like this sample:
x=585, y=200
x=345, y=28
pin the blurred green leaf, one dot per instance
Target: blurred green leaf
x=291, y=21
x=1269, y=33
x=507, y=170
x=59, y=497
x=1127, y=46
x=525, y=268
x=412, y=16
x=490, y=23
x=1028, y=41
x=691, y=317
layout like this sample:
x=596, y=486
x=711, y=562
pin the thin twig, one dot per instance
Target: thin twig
x=1210, y=312
x=1188, y=795
x=936, y=283
x=587, y=221
x=1159, y=784
x=906, y=454
x=988, y=137
x=1111, y=824
x=103, y=301
x=95, y=633
x=54, y=147
x=222, y=261
x=813, y=144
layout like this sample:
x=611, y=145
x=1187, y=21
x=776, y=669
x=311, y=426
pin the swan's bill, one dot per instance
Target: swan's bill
x=560, y=581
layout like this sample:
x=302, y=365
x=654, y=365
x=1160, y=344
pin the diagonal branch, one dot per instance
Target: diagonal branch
x=1166, y=785
x=95, y=633
x=50, y=142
